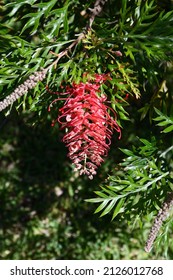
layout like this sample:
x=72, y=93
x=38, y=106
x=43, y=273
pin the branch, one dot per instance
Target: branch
x=40, y=75
x=161, y=216
x=98, y=7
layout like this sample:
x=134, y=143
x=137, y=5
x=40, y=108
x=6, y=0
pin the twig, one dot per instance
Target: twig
x=40, y=75
x=98, y=7
x=161, y=216
x=63, y=53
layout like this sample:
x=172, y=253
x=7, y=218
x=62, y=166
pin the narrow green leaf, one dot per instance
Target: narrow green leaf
x=118, y=208
x=94, y=200
x=158, y=112
x=127, y=152
x=101, y=194
x=109, y=207
x=158, y=118
x=163, y=123
x=33, y=21
x=16, y=6
x=123, y=116
x=101, y=206
x=47, y=7
x=168, y=129
x=66, y=28
x=108, y=191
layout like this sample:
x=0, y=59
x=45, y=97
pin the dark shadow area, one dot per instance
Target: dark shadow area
x=37, y=184
x=43, y=213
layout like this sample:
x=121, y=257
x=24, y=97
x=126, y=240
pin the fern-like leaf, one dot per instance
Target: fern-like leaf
x=164, y=121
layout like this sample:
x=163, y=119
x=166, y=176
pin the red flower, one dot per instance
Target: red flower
x=89, y=125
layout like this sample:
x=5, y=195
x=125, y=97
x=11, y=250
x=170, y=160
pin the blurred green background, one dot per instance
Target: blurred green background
x=43, y=213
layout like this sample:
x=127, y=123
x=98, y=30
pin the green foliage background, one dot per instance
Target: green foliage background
x=44, y=206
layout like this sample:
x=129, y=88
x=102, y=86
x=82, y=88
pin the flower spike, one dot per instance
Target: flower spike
x=88, y=124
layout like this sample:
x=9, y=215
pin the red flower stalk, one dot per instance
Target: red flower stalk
x=88, y=123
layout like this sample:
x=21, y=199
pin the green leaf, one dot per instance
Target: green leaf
x=164, y=120
x=94, y=200
x=33, y=21
x=162, y=123
x=127, y=152
x=109, y=207
x=168, y=129
x=46, y=7
x=118, y=208
x=101, y=206
x=101, y=194
x=66, y=27
x=16, y=6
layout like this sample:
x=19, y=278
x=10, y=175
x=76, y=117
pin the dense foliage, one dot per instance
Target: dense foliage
x=45, y=211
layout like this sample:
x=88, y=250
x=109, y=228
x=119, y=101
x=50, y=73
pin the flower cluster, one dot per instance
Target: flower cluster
x=30, y=83
x=88, y=124
x=161, y=216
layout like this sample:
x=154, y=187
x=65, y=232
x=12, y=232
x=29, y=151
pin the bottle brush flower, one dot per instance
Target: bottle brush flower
x=87, y=123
